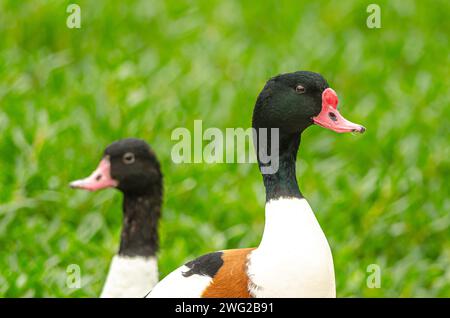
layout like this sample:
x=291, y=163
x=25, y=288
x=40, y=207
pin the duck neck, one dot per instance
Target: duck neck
x=283, y=182
x=139, y=235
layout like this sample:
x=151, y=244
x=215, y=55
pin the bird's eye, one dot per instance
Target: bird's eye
x=128, y=158
x=300, y=89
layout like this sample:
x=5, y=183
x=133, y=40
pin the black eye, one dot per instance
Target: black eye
x=128, y=158
x=300, y=89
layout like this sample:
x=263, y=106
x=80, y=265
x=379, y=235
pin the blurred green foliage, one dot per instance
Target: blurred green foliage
x=143, y=68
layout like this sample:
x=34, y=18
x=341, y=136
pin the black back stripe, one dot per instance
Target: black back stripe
x=206, y=265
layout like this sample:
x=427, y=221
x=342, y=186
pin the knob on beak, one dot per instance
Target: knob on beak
x=330, y=118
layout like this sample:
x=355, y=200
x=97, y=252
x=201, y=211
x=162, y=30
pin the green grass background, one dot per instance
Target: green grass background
x=143, y=68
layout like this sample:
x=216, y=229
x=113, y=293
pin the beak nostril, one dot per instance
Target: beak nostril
x=332, y=116
x=360, y=130
x=98, y=177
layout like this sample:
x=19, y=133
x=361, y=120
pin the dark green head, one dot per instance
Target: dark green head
x=294, y=101
x=290, y=101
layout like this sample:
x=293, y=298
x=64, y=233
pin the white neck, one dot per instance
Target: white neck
x=131, y=277
x=293, y=258
x=289, y=221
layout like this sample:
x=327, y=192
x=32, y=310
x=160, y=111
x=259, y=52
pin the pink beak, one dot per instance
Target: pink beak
x=99, y=179
x=330, y=118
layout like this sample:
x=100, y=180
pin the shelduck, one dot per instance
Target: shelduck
x=293, y=258
x=130, y=166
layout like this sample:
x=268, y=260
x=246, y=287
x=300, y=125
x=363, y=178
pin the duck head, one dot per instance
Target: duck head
x=128, y=165
x=294, y=101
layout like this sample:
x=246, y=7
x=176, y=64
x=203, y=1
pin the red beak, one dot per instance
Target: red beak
x=330, y=118
x=99, y=179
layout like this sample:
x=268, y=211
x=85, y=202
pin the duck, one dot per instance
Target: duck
x=293, y=258
x=131, y=166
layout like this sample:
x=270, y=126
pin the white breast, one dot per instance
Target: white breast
x=175, y=285
x=294, y=258
x=130, y=277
